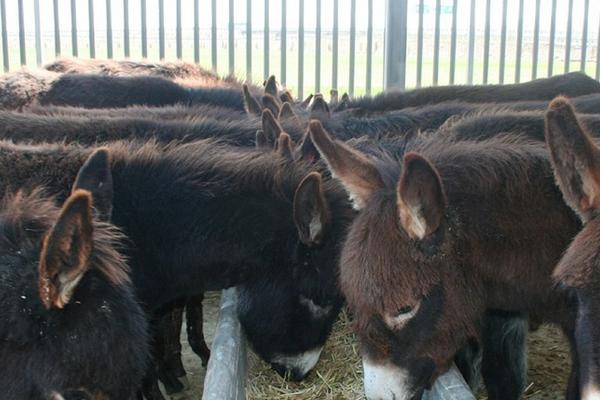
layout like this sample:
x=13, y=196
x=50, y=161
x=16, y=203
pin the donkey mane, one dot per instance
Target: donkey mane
x=26, y=216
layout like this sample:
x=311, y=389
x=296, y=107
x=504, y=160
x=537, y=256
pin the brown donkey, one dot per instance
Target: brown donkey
x=576, y=162
x=447, y=230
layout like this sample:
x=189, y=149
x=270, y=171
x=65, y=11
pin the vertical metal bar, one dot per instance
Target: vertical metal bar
x=334, y=67
x=568, y=38
x=436, y=42
x=471, y=43
x=161, y=29
x=74, y=49
x=536, y=40
x=126, y=46
x=91, y=30
x=352, y=46
x=486, y=42
x=109, y=38
x=231, y=41
x=503, y=42
x=38, y=33
x=266, y=41
x=519, y=43
x=22, y=33
x=395, y=49
x=318, y=49
x=196, y=31
x=598, y=56
x=56, y=29
x=584, y=35
x=420, y=43
x=301, y=48
x=283, y=40
x=453, y=42
x=178, y=38
x=5, y=59
x=369, y=46
x=213, y=35
x=249, y=40
x=144, y=30
x=552, y=38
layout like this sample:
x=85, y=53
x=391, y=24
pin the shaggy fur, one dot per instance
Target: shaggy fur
x=97, y=343
x=21, y=88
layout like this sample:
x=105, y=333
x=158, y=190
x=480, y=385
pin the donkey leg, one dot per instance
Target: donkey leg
x=168, y=348
x=468, y=362
x=573, y=385
x=193, y=312
x=504, y=364
x=150, y=390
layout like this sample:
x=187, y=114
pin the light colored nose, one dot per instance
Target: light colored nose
x=297, y=365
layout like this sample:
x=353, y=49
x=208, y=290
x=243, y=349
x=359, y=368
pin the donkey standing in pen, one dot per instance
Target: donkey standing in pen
x=576, y=162
x=71, y=327
x=447, y=230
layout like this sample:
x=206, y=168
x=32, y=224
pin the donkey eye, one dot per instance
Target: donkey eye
x=405, y=310
x=401, y=316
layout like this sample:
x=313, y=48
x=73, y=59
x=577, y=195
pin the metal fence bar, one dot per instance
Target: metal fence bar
x=568, y=38
x=56, y=29
x=231, y=40
x=318, y=49
x=38, y=33
x=22, y=52
x=471, y=43
x=519, y=43
x=126, y=45
x=420, y=44
x=503, y=42
x=334, y=67
x=552, y=39
x=283, y=41
x=144, y=30
x=161, y=29
x=584, y=35
x=249, y=40
x=178, y=37
x=196, y=31
x=369, y=46
x=436, y=42
x=453, y=42
x=91, y=30
x=5, y=59
x=109, y=38
x=536, y=40
x=266, y=41
x=74, y=49
x=395, y=49
x=352, y=46
x=301, y=48
x=486, y=42
x=598, y=57
x=213, y=35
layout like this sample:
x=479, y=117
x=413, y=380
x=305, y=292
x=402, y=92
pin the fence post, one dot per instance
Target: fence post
x=395, y=44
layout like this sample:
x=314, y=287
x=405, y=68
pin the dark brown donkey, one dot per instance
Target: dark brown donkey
x=446, y=231
x=576, y=161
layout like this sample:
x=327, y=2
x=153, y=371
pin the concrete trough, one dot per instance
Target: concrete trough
x=227, y=368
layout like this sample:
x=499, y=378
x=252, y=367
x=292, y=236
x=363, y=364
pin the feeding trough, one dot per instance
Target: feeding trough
x=227, y=368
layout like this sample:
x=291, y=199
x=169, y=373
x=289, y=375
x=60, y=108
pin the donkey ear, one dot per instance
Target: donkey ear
x=306, y=101
x=66, y=251
x=286, y=96
x=95, y=176
x=252, y=105
x=285, y=146
x=356, y=172
x=311, y=214
x=271, y=103
x=271, y=126
x=319, y=109
x=271, y=86
x=286, y=111
x=261, y=140
x=575, y=158
x=307, y=150
x=334, y=97
x=420, y=198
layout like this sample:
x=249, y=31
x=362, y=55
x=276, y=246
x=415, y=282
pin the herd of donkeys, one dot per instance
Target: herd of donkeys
x=449, y=221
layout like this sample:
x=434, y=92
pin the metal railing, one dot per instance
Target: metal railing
x=369, y=44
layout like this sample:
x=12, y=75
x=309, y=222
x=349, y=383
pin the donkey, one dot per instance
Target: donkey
x=201, y=200
x=575, y=159
x=571, y=84
x=446, y=230
x=70, y=323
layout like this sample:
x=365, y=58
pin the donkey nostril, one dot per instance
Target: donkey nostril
x=294, y=374
x=280, y=369
x=297, y=375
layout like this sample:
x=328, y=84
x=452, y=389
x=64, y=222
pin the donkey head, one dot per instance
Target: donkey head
x=396, y=269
